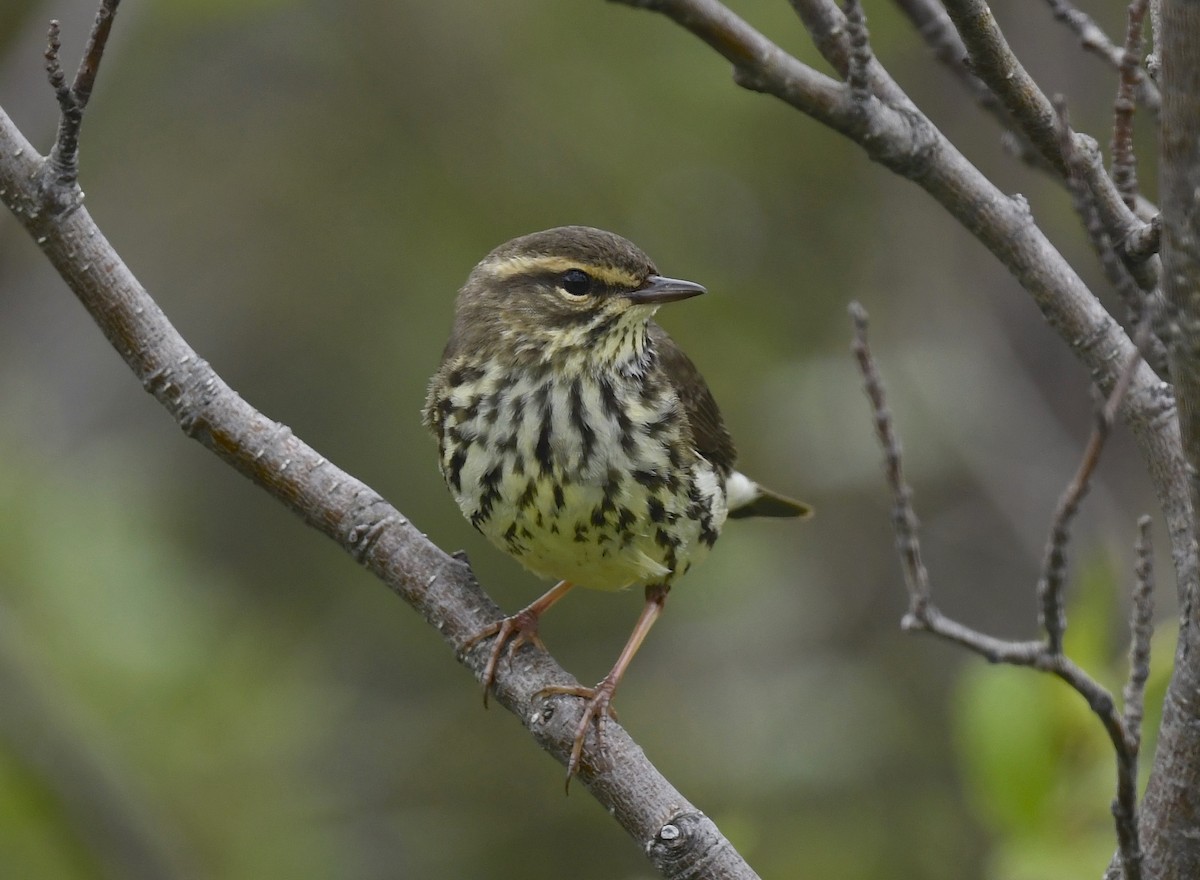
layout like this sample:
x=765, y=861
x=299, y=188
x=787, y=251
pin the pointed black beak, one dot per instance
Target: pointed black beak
x=658, y=289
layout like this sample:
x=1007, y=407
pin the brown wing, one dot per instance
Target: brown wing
x=708, y=430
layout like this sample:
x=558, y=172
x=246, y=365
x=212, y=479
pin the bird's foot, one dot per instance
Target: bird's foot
x=597, y=709
x=512, y=633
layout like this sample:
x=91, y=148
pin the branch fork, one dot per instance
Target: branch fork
x=1046, y=654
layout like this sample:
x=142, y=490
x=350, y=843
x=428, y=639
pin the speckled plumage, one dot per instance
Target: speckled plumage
x=563, y=433
x=578, y=437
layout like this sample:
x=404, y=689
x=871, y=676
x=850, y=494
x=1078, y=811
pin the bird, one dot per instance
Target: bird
x=580, y=439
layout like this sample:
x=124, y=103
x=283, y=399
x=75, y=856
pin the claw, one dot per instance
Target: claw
x=598, y=705
x=514, y=631
x=511, y=634
x=597, y=709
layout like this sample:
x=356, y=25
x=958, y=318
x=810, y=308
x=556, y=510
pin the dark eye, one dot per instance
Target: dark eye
x=576, y=282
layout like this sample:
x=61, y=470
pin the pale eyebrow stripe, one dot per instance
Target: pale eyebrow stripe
x=508, y=267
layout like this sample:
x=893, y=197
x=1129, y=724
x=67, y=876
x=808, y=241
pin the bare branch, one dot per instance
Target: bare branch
x=1124, y=165
x=73, y=99
x=1154, y=58
x=935, y=27
x=1083, y=155
x=904, y=518
x=1141, y=631
x=896, y=134
x=1144, y=241
x=995, y=63
x=1050, y=584
x=54, y=71
x=675, y=835
x=1045, y=655
x=1093, y=39
x=857, y=73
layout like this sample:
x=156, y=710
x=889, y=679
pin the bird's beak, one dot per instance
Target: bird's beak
x=658, y=290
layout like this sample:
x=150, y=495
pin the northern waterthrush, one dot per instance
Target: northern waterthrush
x=578, y=437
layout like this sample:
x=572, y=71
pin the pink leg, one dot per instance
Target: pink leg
x=599, y=699
x=514, y=631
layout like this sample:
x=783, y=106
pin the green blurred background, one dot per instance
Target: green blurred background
x=194, y=685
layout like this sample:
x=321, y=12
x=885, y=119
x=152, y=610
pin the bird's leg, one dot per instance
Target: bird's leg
x=514, y=631
x=599, y=699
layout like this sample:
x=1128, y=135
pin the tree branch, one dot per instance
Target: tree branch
x=1141, y=630
x=73, y=99
x=1172, y=800
x=1124, y=167
x=935, y=27
x=1004, y=226
x=900, y=137
x=1140, y=292
x=1093, y=39
x=41, y=193
x=1046, y=654
x=859, y=64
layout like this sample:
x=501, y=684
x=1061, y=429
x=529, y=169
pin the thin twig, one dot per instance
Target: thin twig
x=858, y=73
x=904, y=518
x=1124, y=806
x=1124, y=163
x=73, y=99
x=829, y=29
x=89, y=64
x=1136, y=281
x=1141, y=630
x=992, y=59
x=58, y=79
x=937, y=30
x=1054, y=564
x=1093, y=39
x=1046, y=655
x=1154, y=56
x=1081, y=153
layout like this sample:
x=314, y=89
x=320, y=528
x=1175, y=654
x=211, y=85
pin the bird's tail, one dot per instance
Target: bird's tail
x=747, y=498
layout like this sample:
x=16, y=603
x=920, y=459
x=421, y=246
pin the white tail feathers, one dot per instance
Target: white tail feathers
x=746, y=498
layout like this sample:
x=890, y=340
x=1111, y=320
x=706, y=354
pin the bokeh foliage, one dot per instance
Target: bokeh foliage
x=303, y=186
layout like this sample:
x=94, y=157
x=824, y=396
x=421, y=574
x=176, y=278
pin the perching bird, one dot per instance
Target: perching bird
x=579, y=438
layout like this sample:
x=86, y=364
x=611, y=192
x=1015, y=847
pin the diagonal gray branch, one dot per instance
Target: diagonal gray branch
x=42, y=193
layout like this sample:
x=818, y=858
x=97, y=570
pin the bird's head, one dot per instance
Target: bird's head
x=570, y=293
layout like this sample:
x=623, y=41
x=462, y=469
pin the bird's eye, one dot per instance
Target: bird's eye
x=576, y=282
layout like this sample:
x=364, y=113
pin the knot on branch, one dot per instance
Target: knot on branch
x=684, y=843
x=901, y=139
